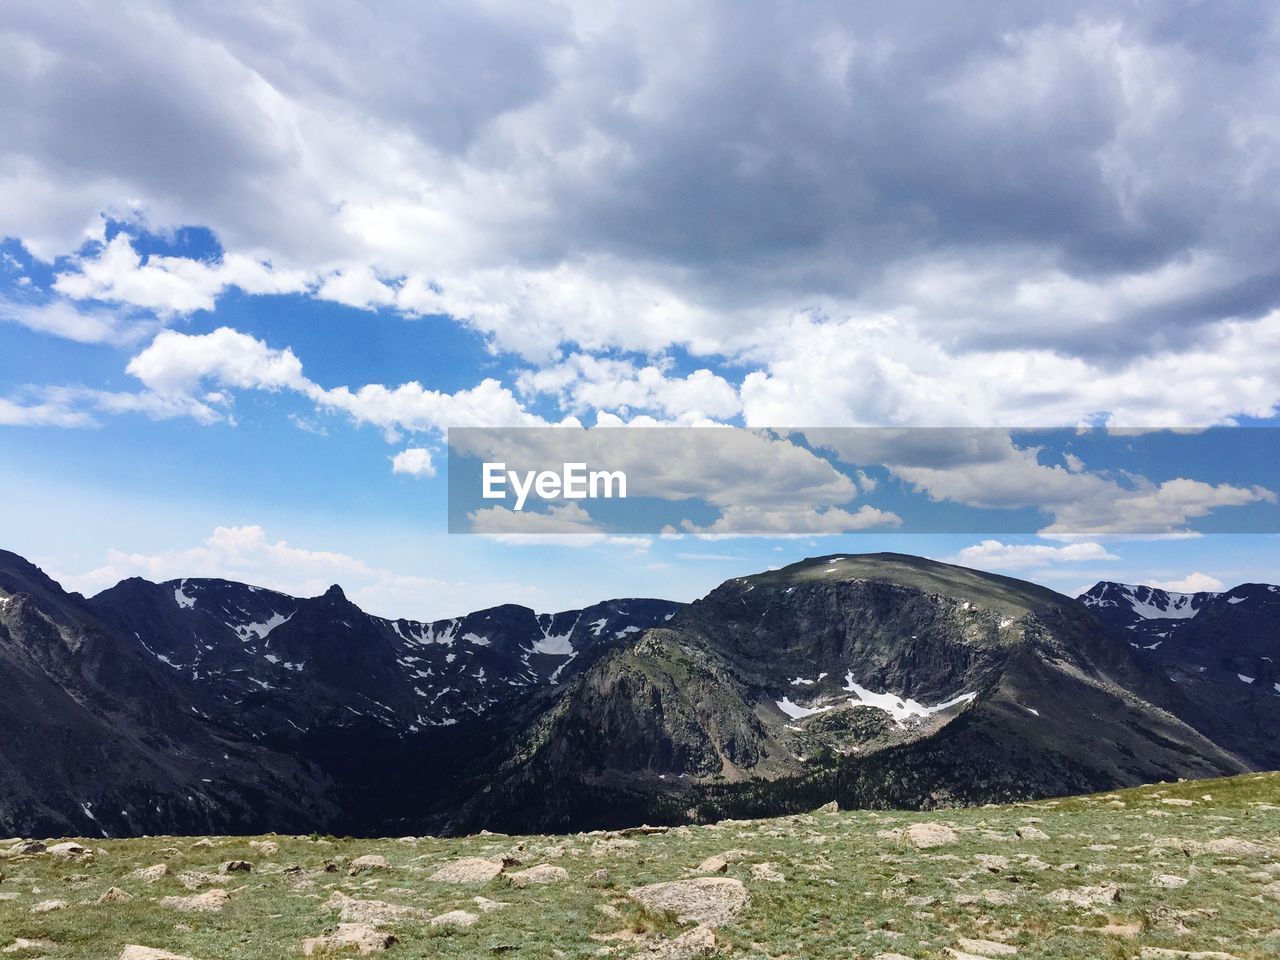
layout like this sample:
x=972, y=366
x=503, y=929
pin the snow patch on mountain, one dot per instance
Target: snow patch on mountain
x=901, y=709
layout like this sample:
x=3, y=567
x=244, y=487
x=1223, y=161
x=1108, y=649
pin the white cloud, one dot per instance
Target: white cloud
x=1191, y=583
x=169, y=285
x=180, y=363
x=1019, y=556
x=415, y=461
x=562, y=525
x=794, y=521
x=585, y=384
x=356, y=287
x=82, y=325
x=249, y=555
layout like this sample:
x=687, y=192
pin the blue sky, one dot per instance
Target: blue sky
x=251, y=262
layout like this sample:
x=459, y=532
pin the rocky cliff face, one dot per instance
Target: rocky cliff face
x=201, y=705
x=876, y=680
x=1221, y=651
x=872, y=680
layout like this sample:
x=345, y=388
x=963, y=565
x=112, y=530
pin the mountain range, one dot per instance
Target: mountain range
x=878, y=680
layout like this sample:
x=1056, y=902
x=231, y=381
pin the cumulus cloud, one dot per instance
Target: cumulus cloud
x=169, y=285
x=415, y=461
x=993, y=554
x=793, y=521
x=82, y=324
x=1191, y=583
x=583, y=384
x=562, y=525
x=1083, y=196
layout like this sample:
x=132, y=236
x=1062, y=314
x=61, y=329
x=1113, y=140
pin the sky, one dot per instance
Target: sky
x=255, y=261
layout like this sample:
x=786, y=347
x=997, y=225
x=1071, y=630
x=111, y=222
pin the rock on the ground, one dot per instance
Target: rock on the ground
x=235, y=866
x=115, y=895
x=70, y=850
x=698, y=942
x=150, y=874
x=134, y=952
x=455, y=918
x=1087, y=896
x=353, y=910
x=986, y=948
x=924, y=836
x=211, y=901
x=361, y=937
x=1028, y=832
x=543, y=873
x=712, y=901
x=767, y=872
x=467, y=870
x=268, y=848
x=49, y=906
x=1169, y=881
x=366, y=863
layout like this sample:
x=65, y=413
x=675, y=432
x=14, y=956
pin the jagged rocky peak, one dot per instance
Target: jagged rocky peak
x=1140, y=602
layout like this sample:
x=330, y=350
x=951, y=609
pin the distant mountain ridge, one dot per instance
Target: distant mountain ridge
x=205, y=705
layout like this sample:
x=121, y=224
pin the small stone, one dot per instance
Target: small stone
x=236, y=866
x=49, y=906
x=268, y=848
x=115, y=895
x=485, y=905
x=150, y=874
x=767, y=872
x=23, y=945
x=1169, y=881
x=1031, y=833
x=713, y=864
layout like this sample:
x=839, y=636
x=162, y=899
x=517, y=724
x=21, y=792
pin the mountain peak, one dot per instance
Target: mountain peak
x=334, y=593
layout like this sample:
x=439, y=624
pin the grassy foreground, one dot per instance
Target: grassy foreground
x=1172, y=870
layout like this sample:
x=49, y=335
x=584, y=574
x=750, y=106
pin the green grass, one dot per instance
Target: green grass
x=850, y=891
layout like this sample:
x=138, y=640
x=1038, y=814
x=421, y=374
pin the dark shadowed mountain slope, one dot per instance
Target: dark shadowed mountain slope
x=98, y=740
x=205, y=705
x=239, y=708
x=879, y=680
x=1220, y=649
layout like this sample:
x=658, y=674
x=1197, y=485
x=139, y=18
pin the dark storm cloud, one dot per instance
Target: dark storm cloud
x=747, y=155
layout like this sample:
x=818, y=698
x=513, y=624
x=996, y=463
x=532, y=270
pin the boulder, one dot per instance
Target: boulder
x=455, y=918
x=211, y=901
x=924, y=836
x=360, y=937
x=543, y=873
x=712, y=901
x=467, y=870
x=366, y=863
